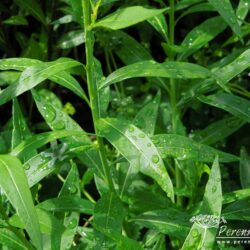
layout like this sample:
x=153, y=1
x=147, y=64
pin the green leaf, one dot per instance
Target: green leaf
x=34, y=75
x=14, y=183
x=183, y=148
x=39, y=140
x=103, y=96
x=202, y=236
x=236, y=195
x=71, y=39
x=16, y=20
x=70, y=188
x=32, y=7
x=57, y=119
x=146, y=118
x=108, y=215
x=48, y=223
x=225, y=9
x=242, y=10
x=177, y=70
x=126, y=17
x=244, y=168
x=233, y=104
x=239, y=210
x=219, y=130
x=68, y=204
x=62, y=78
x=138, y=149
x=9, y=239
x=129, y=50
x=160, y=24
x=169, y=221
x=201, y=35
x=20, y=130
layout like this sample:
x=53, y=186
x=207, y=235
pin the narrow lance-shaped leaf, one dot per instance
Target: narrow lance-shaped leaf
x=203, y=232
x=146, y=118
x=14, y=183
x=179, y=70
x=183, y=148
x=108, y=215
x=128, y=49
x=34, y=75
x=168, y=221
x=39, y=140
x=244, y=168
x=226, y=10
x=70, y=188
x=160, y=24
x=57, y=119
x=242, y=10
x=233, y=104
x=219, y=130
x=20, y=130
x=201, y=35
x=33, y=8
x=71, y=39
x=10, y=240
x=62, y=78
x=68, y=204
x=138, y=149
x=126, y=17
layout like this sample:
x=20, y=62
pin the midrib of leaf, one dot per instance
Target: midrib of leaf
x=109, y=209
x=125, y=181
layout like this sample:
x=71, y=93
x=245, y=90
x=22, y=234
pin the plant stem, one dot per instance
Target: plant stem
x=92, y=88
x=173, y=92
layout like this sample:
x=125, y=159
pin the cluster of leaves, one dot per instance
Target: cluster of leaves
x=167, y=137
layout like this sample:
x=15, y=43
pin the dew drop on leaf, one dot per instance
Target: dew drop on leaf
x=214, y=188
x=50, y=113
x=73, y=189
x=131, y=129
x=59, y=125
x=194, y=232
x=155, y=158
x=73, y=223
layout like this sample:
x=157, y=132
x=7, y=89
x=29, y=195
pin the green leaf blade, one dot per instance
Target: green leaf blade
x=15, y=185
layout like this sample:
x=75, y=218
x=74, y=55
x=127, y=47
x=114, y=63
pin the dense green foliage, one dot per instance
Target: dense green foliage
x=123, y=123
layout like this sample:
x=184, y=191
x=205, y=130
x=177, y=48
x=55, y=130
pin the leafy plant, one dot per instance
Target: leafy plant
x=124, y=124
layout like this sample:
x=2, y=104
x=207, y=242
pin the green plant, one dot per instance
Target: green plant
x=163, y=158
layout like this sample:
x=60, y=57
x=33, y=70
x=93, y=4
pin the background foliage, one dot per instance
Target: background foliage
x=121, y=120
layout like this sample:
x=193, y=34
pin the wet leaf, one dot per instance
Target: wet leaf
x=226, y=11
x=202, y=234
x=138, y=149
x=183, y=148
x=126, y=17
x=178, y=70
x=15, y=185
x=233, y=104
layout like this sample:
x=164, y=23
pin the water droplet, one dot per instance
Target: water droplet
x=214, y=188
x=131, y=129
x=194, y=232
x=73, y=189
x=149, y=144
x=59, y=125
x=50, y=113
x=141, y=135
x=155, y=158
x=26, y=166
x=73, y=223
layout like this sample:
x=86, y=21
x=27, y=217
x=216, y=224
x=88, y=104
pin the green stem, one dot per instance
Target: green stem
x=92, y=88
x=173, y=92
